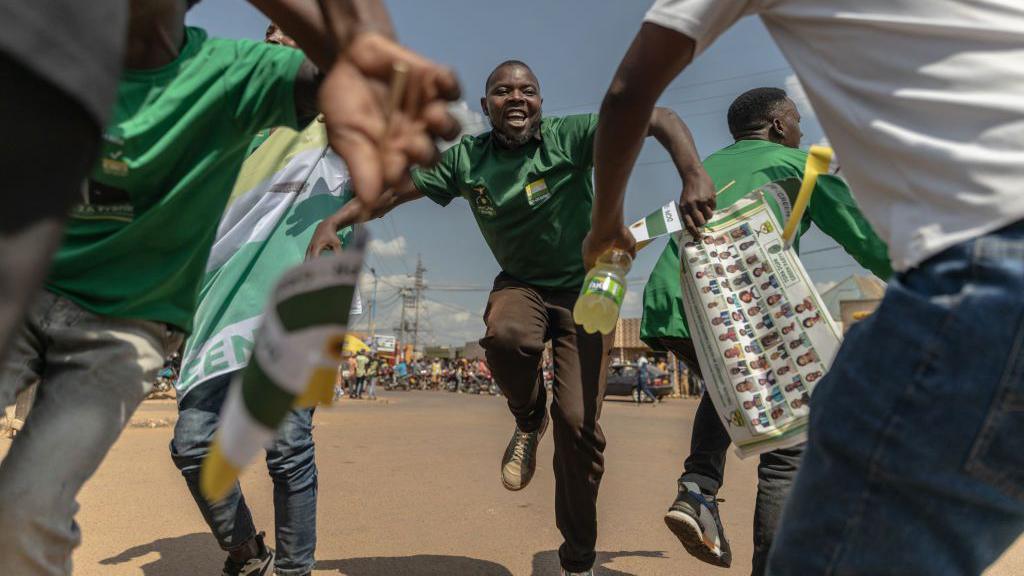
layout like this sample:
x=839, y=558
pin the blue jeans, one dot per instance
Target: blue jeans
x=915, y=460
x=705, y=466
x=292, y=467
x=642, y=389
x=93, y=371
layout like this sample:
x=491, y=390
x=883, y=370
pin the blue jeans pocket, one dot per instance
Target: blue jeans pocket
x=997, y=455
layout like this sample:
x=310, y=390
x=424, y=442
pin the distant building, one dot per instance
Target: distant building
x=473, y=350
x=448, y=352
x=628, y=346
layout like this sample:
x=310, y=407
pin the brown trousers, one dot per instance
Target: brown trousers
x=520, y=318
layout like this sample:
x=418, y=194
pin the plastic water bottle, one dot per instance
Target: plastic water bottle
x=597, y=308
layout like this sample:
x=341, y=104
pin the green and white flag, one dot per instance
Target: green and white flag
x=659, y=223
x=285, y=188
x=294, y=362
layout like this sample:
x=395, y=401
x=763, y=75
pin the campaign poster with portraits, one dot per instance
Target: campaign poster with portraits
x=764, y=338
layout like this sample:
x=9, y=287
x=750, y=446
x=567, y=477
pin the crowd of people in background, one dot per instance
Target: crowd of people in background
x=360, y=373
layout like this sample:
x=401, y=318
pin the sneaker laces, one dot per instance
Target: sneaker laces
x=519, y=451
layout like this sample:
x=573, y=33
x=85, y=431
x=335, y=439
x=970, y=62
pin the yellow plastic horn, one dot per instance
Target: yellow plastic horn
x=818, y=160
x=217, y=475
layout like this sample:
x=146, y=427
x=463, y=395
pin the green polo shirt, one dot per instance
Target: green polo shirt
x=752, y=164
x=532, y=203
x=137, y=243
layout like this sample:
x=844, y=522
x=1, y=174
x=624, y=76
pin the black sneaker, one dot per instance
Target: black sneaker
x=260, y=565
x=694, y=519
x=520, y=459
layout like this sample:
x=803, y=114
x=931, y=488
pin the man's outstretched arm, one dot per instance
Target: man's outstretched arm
x=656, y=56
x=697, y=200
x=325, y=237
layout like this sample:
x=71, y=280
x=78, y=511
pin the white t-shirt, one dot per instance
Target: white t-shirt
x=922, y=99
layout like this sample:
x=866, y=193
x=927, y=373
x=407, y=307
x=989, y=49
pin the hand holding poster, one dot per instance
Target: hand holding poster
x=763, y=336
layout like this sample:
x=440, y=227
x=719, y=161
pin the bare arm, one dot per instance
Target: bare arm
x=656, y=56
x=325, y=28
x=697, y=199
x=304, y=21
x=305, y=90
x=322, y=28
x=325, y=237
x=352, y=43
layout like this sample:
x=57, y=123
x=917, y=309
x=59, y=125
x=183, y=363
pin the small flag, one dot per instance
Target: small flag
x=293, y=363
x=659, y=223
x=819, y=161
x=537, y=192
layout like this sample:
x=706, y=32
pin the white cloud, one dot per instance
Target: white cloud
x=394, y=248
x=385, y=282
x=797, y=94
x=472, y=122
x=451, y=324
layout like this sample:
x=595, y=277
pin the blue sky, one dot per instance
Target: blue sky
x=574, y=47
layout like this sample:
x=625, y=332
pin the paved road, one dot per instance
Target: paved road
x=409, y=486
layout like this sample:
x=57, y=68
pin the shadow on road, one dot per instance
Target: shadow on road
x=195, y=553
x=420, y=565
x=545, y=563
x=179, y=555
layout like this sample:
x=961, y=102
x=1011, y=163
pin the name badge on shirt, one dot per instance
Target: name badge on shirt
x=537, y=192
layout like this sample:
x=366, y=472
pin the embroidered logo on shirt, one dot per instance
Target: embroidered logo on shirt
x=537, y=192
x=482, y=202
x=102, y=202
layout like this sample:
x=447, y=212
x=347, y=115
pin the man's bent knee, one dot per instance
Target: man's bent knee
x=510, y=336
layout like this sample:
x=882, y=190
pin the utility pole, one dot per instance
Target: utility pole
x=403, y=325
x=418, y=289
x=373, y=310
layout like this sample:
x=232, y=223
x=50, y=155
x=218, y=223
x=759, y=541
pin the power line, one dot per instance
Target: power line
x=686, y=87
x=394, y=232
x=453, y=307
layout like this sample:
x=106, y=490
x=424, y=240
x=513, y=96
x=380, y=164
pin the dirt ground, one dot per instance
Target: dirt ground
x=409, y=485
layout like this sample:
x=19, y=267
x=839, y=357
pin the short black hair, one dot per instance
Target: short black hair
x=505, y=64
x=191, y=3
x=754, y=109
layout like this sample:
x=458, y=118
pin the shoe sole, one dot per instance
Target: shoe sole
x=692, y=538
x=509, y=487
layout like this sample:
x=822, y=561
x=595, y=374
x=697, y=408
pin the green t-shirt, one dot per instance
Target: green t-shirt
x=137, y=245
x=532, y=203
x=752, y=164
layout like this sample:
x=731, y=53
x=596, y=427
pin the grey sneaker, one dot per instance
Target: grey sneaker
x=260, y=565
x=694, y=519
x=587, y=573
x=520, y=459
